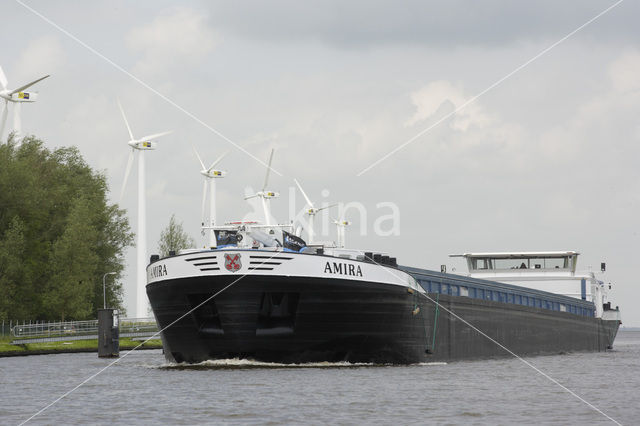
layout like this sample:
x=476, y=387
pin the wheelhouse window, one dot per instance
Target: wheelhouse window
x=512, y=263
x=555, y=263
x=480, y=263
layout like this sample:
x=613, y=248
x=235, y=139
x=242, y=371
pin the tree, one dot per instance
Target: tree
x=11, y=272
x=174, y=238
x=73, y=265
x=58, y=234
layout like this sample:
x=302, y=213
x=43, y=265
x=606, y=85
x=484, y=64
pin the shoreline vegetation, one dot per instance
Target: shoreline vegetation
x=46, y=348
x=59, y=235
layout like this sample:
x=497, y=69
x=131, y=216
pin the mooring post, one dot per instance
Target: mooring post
x=108, y=334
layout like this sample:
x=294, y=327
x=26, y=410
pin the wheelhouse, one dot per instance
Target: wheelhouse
x=560, y=261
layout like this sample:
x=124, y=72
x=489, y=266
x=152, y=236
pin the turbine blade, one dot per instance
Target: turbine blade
x=251, y=196
x=199, y=159
x=3, y=79
x=327, y=207
x=155, y=136
x=126, y=174
x=4, y=118
x=303, y=193
x=26, y=86
x=204, y=197
x=266, y=178
x=217, y=161
x=125, y=120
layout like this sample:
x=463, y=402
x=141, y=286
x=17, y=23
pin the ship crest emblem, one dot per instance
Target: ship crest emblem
x=232, y=262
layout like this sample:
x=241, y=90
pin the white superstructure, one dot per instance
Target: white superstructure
x=552, y=271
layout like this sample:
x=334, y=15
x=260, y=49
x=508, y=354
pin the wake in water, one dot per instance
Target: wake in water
x=237, y=363
x=245, y=364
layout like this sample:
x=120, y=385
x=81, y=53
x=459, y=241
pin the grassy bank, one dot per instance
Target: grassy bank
x=7, y=349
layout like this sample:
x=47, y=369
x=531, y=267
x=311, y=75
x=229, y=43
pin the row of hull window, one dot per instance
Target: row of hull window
x=497, y=296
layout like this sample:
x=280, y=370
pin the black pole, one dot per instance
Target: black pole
x=108, y=334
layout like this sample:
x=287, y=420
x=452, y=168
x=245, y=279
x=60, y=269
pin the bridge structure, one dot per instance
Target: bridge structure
x=138, y=328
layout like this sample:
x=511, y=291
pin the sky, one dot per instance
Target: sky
x=522, y=132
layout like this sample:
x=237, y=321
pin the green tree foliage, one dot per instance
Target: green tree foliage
x=58, y=234
x=174, y=238
x=73, y=264
x=11, y=253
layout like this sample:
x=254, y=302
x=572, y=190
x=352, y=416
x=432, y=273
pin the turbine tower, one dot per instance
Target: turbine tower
x=139, y=146
x=210, y=174
x=311, y=211
x=265, y=195
x=17, y=96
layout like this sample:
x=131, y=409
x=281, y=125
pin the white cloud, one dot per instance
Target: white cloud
x=605, y=124
x=473, y=137
x=41, y=56
x=440, y=95
x=176, y=36
x=625, y=72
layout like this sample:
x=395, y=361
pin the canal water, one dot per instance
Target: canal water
x=143, y=389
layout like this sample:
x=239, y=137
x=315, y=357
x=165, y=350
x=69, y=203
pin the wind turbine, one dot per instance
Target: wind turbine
x=266, y=195
x=341, y=228
x=140, y=146
x=311, y=211
x=210, y=175
x=17, y=96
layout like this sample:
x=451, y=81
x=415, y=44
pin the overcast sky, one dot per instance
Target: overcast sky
x=545, y=160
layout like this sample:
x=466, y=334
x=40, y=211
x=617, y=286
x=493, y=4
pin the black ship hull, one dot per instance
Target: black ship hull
x=292, y=319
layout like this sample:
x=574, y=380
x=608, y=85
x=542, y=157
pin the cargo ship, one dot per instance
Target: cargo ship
x=276, y=304
x=260, y=292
